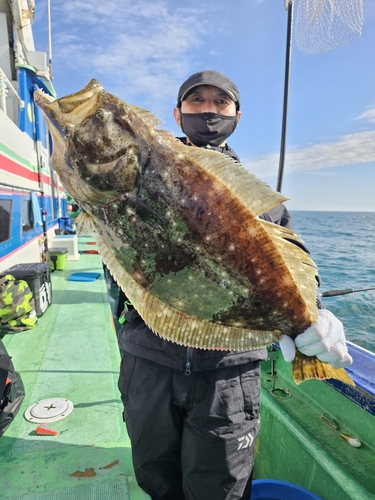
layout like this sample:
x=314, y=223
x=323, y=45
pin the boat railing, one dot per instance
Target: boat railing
x=6, y=86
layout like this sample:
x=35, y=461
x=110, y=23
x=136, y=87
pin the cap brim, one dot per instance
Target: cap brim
x=228, y=92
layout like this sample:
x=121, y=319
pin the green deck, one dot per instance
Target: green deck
x=296, y=445
x=72, y=354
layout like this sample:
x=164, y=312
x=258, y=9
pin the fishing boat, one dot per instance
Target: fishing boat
x=68, y=439
x=31, y=197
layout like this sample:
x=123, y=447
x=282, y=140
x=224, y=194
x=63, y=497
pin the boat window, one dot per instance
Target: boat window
x=5, y=218
x=27, y=222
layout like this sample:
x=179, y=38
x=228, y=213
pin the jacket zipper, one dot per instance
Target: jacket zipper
x=189, y=353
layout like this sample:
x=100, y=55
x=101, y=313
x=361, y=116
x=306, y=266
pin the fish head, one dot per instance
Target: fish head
x=95, y=148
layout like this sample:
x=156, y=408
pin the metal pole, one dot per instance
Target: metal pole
x=286, y=93
x=3, y=92
x=49, y=39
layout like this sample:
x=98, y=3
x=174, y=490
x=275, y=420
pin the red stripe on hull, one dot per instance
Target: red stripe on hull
x=15, y=168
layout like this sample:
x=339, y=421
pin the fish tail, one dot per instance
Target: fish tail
x=307, y=367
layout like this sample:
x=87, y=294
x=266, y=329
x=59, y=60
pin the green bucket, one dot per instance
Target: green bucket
x=57, y=258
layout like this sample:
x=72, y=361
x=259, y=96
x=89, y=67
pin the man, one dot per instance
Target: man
x=186, y=409
x=208, y=114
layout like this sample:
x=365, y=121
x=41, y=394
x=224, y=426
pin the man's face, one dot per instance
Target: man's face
x=207, y=99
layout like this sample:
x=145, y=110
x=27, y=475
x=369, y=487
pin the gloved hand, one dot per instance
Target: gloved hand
x=324, y=339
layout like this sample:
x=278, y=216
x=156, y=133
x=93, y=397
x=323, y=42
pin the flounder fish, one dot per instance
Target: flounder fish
x=179, y=229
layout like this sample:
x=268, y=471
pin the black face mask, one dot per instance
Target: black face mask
x=207, y=128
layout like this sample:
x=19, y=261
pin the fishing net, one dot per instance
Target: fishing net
x=323, y=25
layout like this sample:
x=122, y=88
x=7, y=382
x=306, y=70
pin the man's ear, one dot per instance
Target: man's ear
x=239, y=114
x=177, y=116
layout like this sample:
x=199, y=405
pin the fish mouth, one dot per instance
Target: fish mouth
x=72, y=108
x=71, y=101
x=42, y=99
x=103, y=168
x=64, y=116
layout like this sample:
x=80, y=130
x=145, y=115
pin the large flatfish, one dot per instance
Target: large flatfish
x=179, y=229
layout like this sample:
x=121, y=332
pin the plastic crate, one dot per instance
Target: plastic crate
x=69, y=241
x=38, y=277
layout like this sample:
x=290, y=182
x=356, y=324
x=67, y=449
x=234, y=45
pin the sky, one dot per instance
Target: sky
x=142, y=51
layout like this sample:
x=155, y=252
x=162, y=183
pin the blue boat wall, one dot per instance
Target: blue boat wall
x=362, y=373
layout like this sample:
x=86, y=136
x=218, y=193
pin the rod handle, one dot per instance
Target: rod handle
x=332, y=293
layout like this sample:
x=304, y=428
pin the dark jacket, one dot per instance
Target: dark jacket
x=137, y=339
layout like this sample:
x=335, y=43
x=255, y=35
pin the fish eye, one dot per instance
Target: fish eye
x=102, y=114
x=124, y=109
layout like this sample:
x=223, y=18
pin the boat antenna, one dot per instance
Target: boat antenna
x=49, y=39
x=321, y=25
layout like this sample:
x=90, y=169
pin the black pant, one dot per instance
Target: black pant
x=193, y=436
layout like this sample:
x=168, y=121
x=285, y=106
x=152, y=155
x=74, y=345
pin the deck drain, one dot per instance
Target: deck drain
x=49, y=410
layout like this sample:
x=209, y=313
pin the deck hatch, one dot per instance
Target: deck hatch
x=49, y=410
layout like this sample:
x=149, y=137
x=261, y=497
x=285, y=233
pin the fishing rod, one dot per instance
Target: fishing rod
x=333, y=293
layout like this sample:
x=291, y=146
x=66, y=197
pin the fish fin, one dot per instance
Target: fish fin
x=85, y=223
x=174, y=325
x=149, y=118
x=170, y=139
x=254, y=193
x=153, y=121
x=301, y=267
x=307, y=367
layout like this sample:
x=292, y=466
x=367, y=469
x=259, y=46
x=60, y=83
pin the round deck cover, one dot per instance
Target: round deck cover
x=49, y=410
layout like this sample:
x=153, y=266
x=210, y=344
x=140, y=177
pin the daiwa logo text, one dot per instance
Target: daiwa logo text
x=245, y=441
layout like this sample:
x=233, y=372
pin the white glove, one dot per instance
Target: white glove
x=324, y=339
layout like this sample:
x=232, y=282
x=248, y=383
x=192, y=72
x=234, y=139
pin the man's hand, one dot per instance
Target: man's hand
x=324, y=339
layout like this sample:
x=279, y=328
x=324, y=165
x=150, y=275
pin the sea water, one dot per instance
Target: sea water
x=342, y=244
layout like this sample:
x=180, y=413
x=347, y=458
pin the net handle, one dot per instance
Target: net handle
x=287, y=2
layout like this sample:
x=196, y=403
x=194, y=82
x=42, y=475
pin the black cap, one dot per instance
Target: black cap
x=209, y=77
